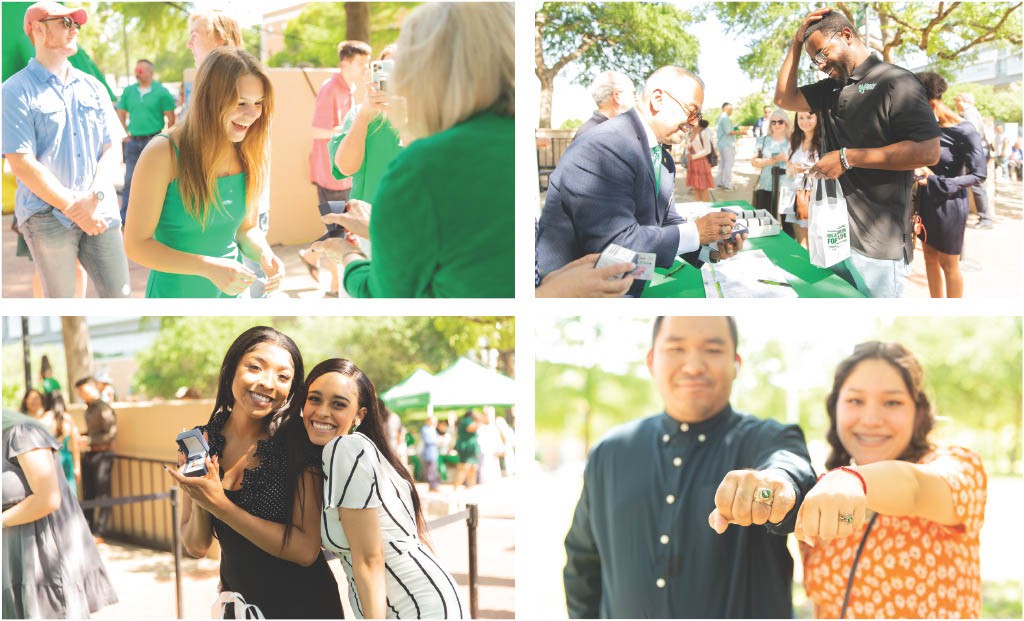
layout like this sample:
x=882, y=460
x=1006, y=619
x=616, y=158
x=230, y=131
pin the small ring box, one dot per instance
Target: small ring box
x=737, y=230
x=196, y=450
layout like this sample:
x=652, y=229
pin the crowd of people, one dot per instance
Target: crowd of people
x=196, y=185
x=898, y=160
x=686, y=513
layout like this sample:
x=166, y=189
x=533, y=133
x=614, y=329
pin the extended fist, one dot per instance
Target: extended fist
x=748, y=497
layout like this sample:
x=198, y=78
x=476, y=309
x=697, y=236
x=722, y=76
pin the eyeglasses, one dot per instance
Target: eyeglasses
x=68, y=22
x=693, y=117
x=819, y=59
x=777, y=122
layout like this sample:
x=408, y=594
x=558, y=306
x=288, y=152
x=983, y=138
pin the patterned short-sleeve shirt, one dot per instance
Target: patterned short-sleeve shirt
x=910, y=567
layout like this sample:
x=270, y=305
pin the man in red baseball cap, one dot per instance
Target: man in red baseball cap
x=46, y=11
x=62, y=139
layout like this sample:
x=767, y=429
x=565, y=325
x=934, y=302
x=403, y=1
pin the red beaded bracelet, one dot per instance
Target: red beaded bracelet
x=863, y=483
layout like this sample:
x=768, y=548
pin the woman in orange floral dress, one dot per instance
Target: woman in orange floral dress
x=891, y=530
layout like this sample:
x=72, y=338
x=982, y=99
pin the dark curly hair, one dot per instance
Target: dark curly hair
x=904, y=361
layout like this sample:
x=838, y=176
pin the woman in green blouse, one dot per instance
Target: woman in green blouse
x=442, y=215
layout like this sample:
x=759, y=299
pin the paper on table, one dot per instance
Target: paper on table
x=739, y=277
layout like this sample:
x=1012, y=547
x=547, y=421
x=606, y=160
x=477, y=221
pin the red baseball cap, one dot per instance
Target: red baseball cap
x=43, y=10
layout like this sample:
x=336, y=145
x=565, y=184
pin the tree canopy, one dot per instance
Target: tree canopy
x=120, y=33
x=587, y=37
x=947, y=33
x=312, y=37
x=188, y=351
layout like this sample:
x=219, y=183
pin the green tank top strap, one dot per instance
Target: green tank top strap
x=177, y=155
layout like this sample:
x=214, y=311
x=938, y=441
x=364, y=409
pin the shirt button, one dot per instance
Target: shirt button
x=670, y=499
x=665, y=438
x=684, y=427
x=664, y=538
x=701, y=438
x=660, y=583
x=678, y=461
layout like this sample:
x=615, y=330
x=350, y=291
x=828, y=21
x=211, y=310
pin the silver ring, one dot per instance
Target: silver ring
x=724, y=230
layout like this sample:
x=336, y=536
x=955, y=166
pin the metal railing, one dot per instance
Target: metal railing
x=173, y=497
x=471, y=514
x=550, y=147
x=141, y=525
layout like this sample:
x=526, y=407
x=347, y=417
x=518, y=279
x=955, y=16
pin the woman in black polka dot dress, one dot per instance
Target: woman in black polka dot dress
x=261, y=495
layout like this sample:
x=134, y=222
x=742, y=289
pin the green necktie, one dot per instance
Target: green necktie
x=656, y=162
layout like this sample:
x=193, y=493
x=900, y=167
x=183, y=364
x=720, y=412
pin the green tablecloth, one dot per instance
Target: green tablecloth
x=808, y=280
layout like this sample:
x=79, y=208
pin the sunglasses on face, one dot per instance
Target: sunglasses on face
x=68, y=22
x=777, y=122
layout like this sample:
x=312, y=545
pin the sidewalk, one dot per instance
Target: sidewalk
x=17, y=272
x=144, y=578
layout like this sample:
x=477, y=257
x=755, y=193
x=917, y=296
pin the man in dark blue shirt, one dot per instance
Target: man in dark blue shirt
x=640, y=545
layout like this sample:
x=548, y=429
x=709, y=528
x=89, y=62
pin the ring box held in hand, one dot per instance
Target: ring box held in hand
x=196, y=450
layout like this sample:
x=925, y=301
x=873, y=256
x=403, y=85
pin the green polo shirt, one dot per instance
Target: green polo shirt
x=442, y=223
x=146, y=112
x=382, y=145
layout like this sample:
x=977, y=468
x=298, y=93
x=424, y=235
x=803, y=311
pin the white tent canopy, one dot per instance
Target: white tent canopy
x=464, y=384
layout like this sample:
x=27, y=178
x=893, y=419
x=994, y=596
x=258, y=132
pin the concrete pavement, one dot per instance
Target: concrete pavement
x=144, y=578
x=17, y=272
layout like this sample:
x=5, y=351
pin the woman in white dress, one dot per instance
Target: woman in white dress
x=804, y=150
x=372, y=517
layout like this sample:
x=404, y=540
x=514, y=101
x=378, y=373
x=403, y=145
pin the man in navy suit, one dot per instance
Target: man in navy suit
x=615, y=184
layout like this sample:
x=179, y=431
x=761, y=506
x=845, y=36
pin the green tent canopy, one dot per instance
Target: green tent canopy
x=412, y=393
x=18, y=50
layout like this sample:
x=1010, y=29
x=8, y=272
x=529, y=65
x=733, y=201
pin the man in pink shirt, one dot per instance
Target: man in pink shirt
x=332, y=104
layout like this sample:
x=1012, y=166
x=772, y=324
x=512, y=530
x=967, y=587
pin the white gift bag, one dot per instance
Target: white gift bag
x=828, y=231
x=787, y=196
x=242, y=610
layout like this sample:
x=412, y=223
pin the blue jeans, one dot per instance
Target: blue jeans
x=55, y=249
x=875, y=278
x=132, y=150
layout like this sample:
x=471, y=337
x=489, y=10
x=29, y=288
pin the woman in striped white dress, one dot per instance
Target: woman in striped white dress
x=372, y=517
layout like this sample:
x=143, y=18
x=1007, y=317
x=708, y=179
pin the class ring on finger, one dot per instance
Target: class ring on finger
x=846, y=518
x=724, y=230
x=764, y=495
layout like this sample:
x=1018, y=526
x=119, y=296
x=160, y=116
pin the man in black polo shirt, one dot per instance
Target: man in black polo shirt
x=878, y=127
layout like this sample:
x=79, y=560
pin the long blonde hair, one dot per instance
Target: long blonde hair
x=455, y=60
x=202, y=138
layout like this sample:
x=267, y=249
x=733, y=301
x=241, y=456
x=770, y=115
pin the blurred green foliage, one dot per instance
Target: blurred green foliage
x=571, y=124
x=189, y=350
x=972, y=376
x=312, y=38
x=14, y=372
x=120, y=33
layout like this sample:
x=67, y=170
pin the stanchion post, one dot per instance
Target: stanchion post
x=176, y=549
x=472, y=520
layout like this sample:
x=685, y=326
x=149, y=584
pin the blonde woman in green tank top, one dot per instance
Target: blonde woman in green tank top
x=194, y=208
